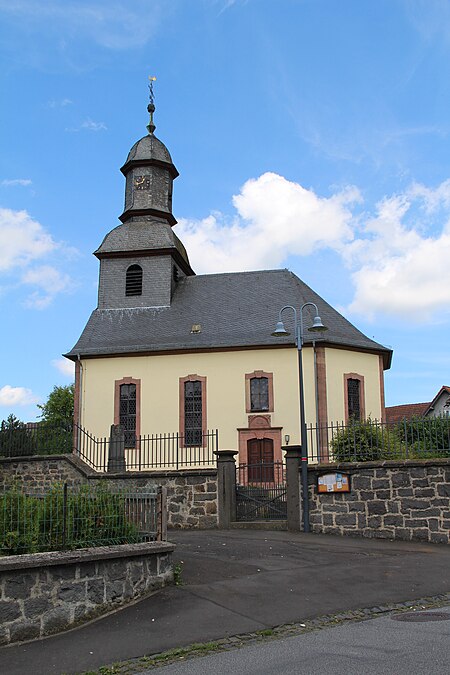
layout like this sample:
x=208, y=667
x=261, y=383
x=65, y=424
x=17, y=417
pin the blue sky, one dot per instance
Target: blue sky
x=309, y=134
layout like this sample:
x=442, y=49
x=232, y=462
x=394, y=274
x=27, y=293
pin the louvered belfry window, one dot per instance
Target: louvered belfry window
x=193, y=416
x=259, y=394
x=128, y=413
x=133, y=284
x=353, y=399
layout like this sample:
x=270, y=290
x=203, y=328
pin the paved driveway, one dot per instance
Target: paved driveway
x=242, y=581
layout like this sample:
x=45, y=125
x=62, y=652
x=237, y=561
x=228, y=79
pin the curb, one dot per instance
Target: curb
x=145, y=663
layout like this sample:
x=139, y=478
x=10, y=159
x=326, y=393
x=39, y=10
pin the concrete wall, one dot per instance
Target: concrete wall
x=191, y=494
x=45, y=593
x=407, y=500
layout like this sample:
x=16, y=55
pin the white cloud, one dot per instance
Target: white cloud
x=89, y=125
x=50, y=282
x=398, y=257
x=112, y=25
x=94, y=126
x=275, y=218
x=16, y=396
x=22, y=239
x=59, y=103
x=403, y=268
x=8, y=182
x=65, y=367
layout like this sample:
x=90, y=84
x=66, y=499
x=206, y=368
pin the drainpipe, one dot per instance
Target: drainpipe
x=316, y=388
x=80, y=399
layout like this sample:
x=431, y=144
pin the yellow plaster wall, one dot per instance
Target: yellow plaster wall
x=340, y=361
x=225, y=373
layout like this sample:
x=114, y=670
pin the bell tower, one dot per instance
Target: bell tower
x=142, y=260
x=149, y=173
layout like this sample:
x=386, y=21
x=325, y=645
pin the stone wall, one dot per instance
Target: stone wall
x=191, y=493
x=45, y=593
x=407, y=500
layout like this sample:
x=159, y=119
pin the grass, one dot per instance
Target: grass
x=177, y=572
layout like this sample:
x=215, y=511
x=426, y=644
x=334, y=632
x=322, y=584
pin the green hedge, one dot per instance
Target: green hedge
x=53, y=522
x=369, y=440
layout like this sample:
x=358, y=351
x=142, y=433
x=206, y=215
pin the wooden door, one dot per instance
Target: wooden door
x=260, y=460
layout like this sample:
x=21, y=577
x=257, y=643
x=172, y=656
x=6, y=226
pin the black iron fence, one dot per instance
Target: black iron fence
x=65, y=518
x=261, y=491
x=154, y=451
x=39, y=438
x=263, y=473
x=371, y=440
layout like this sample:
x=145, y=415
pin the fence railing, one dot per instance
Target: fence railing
x=155, y=451
x=65, y=518
x=39, y=438
x=261, y=474
x=371, y=440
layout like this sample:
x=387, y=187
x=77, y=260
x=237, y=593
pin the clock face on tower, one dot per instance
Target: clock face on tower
x=142, y=182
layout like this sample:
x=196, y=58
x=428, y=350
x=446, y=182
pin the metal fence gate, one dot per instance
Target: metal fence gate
x=261, y=491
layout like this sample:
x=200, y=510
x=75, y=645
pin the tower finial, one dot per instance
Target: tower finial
x=151, y=106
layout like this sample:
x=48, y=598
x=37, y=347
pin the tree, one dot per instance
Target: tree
x=15, y=438
x=58, y=410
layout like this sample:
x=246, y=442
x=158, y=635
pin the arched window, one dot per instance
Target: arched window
x=133, y=284
x=354, y=397
x=127, y=408
x=193, y=422
x=128, y=413
x=259, y=394
x=193, y=410
x=259, y=391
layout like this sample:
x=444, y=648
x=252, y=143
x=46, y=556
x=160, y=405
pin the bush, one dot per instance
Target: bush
x=19, y=524
x=50, y=523
x=365, y=441
x=425, y=437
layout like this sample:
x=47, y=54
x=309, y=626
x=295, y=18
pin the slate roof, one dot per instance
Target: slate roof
x=234, y=310
x=149, y=147
x=141, y=234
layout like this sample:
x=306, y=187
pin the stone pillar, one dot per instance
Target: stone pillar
x=116, y=454
x=226, y=486
x=293, y=460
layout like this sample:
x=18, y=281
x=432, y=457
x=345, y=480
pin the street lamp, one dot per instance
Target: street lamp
x=281, y=331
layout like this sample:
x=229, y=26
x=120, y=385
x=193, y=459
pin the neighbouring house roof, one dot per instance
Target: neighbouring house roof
x=397, y=413
x=234, y=310
x=443, y=390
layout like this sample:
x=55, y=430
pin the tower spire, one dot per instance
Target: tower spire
x=151, y=106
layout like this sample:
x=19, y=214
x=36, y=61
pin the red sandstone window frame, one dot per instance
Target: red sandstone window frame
x=182, y=381
x=248, y=399
x=117, y=385
x=362, y=397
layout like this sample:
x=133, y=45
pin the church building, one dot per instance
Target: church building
x=169, y=351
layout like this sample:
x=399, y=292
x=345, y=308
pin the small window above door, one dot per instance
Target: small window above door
x=259, y=392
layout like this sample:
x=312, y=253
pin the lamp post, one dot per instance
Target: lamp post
x=281, y=331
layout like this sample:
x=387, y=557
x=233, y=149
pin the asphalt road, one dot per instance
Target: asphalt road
x=241, y=581
x=382, y=646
